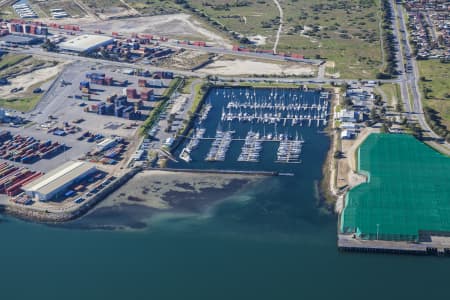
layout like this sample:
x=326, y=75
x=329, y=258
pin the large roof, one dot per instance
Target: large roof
x=58, y=177
x=18, y=39
x=86, y=42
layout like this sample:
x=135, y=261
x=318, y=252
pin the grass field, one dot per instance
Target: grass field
x=437, y=83
x=187, y=86
x=21, y=104
x=342, y=31
x=155, y=7
x=7, y=12
x=393, y=94
x=13, y=64
x=11, y=60
x=102, y=6
x=26, y=102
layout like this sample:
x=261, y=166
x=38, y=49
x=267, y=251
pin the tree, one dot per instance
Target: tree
x=337, y=154
x=384, y=128
x=347, y=102
x=404, y=121
x=399, y=107
x=373, y=114
x=245, y=40
x=416, y=131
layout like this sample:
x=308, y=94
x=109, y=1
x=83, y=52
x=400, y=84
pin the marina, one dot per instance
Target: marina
x=193, y=143
x=248, y=125
x=220, y=146
x=205, y=111
x=252, y=148
x=289, y=150
x=285, y=109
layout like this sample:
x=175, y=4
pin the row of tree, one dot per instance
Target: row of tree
x=388, y=42
x=434, y=120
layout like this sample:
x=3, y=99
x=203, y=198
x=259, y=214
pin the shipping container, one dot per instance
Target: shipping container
x=142, y=83
x=131, y=93
x=84, y=84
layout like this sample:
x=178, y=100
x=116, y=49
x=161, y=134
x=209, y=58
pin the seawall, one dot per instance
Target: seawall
x=62, y=215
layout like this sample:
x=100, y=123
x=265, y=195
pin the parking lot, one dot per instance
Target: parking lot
x=60, y=101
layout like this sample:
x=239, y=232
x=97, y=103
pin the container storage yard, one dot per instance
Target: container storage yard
x=13, y=178
x=27, y=150
x=107, y=152
x=131, y=98
x=90, y=114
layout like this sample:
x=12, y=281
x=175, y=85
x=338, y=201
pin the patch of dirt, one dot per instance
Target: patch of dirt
x=174, y=25
x=258, y=39
x=250, y=67
x=27, y=80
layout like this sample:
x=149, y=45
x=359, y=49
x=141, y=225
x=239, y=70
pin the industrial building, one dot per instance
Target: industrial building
x=18, y=40
x=56, y=182
x=86, y=43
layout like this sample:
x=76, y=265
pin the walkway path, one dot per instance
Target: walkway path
x=279, y=27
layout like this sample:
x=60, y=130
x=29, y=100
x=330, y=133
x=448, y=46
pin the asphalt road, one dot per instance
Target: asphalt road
x=411, y=77
x=296, y=80
x=401, y=55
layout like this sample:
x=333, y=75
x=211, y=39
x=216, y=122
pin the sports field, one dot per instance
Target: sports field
x=408, y=190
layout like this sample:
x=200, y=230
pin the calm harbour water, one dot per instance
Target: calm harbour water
x=268, y=242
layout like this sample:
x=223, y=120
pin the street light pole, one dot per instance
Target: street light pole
x=378, y=230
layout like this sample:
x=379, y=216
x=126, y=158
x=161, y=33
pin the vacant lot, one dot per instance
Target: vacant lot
x=392, y=92
x=185, y=60
x=155, y=7
x=104, y=6
x=7, y=12
x=70, y=7
x=11, y=60
x=345, y=31
x=24, y=74
x=435, y=87
x=235, y=66
x=174, y=26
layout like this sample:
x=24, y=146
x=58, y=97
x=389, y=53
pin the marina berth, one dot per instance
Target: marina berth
x=255, y=118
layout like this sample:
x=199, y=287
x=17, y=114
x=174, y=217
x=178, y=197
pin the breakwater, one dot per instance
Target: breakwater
x=217, y=171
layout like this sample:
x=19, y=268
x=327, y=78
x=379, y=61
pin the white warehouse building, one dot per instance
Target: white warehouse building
x=86, y=43
x=56, y=182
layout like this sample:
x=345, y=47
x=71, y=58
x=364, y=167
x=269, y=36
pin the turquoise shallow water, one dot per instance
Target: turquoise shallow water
x=269, y=241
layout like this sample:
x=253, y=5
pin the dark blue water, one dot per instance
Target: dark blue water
x=315, y=141
x=269, y=241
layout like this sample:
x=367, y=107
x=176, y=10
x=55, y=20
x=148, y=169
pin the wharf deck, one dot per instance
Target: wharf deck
x=436, y=245
x=348, y=243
